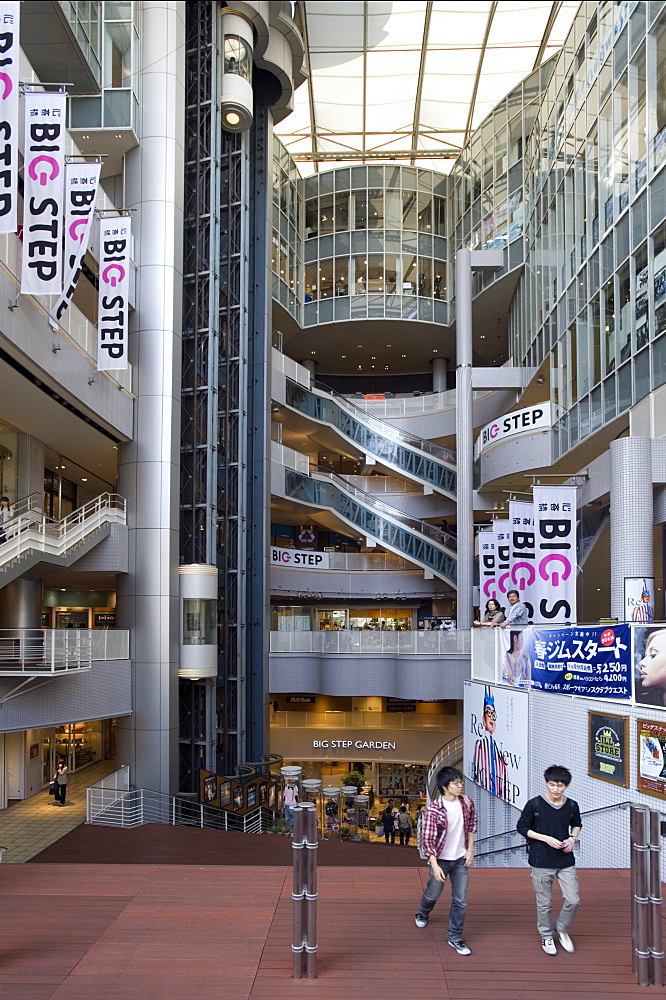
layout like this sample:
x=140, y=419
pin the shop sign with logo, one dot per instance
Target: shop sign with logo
x=299, y=558
x=301, y=699
x=532, y=418
x=608, y=742
x=357, y=744
x=651, y=757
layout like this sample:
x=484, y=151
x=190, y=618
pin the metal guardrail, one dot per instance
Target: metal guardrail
x=417, y=643
x=127, y=809
x=409, y=721
x=29, y=529
x=37, y=651
x=109, y=644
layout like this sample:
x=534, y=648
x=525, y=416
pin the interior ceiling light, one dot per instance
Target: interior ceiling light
x=403, y=355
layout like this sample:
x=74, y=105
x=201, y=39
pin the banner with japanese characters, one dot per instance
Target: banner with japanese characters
x=593, y=661
x=9, y=115
x=487, y=573
x=522, y=553
x=554, y=592
x=43, y=179
x=114, y=265
x=503, y=560
x=651, y=757
x=81, y=181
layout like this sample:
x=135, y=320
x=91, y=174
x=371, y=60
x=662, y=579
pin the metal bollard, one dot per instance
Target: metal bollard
x=639, y=859
x=298, y=893
x=312, y=847
x=654, y=895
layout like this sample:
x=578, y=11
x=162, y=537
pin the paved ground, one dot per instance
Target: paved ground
x=177, y=932
x=27, y=827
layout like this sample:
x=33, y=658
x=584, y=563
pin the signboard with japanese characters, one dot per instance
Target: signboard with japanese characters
x=608, y=748
x=503, y=560
x=81, y=182
x=43, y=179
x=487, y=573
x=113, y=309
x=593, y=661
x=9, y=114
x=554, y=592
x=522, y=553
x=651, y=757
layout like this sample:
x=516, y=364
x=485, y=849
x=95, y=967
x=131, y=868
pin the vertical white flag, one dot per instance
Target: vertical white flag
x=114, y=265
x=556, y=558
x=43, y=178
x=502, y=560
x=81, y=181
x=523, y=552
x=487, y=573
x=9, y=93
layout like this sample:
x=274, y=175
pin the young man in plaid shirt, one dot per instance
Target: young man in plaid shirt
x=447, y=841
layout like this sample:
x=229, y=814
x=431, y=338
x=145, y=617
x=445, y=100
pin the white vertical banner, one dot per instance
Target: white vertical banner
x=81, y=182
x=43, y=179
x=503, y=560
x=114, y=265
x=522, y=556
x=487, y=574
x=9, y=94
x=556, y=558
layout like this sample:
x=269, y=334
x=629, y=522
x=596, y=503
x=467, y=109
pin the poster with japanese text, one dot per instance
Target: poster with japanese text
x=592, y=661
x=651, y=757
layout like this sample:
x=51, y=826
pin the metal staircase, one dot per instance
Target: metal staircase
x=420, y=542
x=31, y=537
x=428, y=464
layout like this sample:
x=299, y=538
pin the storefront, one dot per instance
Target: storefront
x=70, y=608
x=317, y=619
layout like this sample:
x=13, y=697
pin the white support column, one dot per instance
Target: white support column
x=149, y=465
x=631, y=515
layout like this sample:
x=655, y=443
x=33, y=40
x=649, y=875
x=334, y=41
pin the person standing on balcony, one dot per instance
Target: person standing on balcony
x=60, y=778
x=518, y=614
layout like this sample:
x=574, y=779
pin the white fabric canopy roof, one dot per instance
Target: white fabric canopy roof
x=389, y=78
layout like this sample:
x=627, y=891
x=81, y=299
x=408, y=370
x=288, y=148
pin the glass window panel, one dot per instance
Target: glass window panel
x=657, y=91
x=375, y=208
x=392, y=266
x=624, y=387
x=626, y=308
x=439, y=216
x=375, y=281
x=641, y=375
x=425, y=212
x=425, y=276
x=393, y=209
x=409, y=210
x=325, y=279
x=342, y=276
x=409, y=275
x=326, y=214
x=610, y=405
x=311, y=282
x=439, y=280
x=360, y=275
x=341, y=212
x=311, y=218
x=117, y=54
x=237, y=58
x=659, y=362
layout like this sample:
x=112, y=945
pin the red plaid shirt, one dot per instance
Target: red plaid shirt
x=436, y=824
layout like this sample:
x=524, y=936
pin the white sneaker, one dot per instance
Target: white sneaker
x=548, y=946
x=566, y=942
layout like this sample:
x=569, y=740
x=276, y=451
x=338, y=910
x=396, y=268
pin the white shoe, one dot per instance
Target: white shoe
x=548, y=946
x=566, y=942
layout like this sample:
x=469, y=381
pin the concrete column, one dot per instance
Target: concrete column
x=439, y=369
x=149, y=465
x=631, y=514
x=21, y=604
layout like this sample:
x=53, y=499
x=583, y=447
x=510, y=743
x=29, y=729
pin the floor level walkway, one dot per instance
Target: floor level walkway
x=156, y=932
x=30, y=826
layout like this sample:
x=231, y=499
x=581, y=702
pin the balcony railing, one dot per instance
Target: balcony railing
x=37, y=651
x=412, y=721
x=430, y=643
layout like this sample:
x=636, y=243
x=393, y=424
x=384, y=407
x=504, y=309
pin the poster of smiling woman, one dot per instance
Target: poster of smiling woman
x=650, y=665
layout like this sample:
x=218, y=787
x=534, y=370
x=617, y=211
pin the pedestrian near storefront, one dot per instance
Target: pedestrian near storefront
x=404, y=826
x=388, y=823
x=60, y=778
x=551, y=825
x=447, y=842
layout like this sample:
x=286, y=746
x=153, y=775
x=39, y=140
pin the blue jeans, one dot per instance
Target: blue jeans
x=457, y=875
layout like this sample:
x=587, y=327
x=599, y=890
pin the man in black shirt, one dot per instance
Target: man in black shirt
x=551, y=823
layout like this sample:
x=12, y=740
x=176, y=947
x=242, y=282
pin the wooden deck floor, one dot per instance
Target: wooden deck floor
x=177, y=932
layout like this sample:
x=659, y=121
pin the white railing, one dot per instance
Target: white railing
x=106, y=792
x=411, y=406
x=411, y=721
x=384, y=484
x=31, y=530
x=129, y=809
x=290, y=458
x=109, y=644
x=360, y=562
x=430, y=643
x=36, y=651
x=294, y=371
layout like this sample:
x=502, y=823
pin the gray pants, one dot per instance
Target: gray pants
x=542, y=880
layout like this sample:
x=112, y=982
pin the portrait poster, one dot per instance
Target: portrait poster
x=651, y=757
x=210, y=789
x=239, y=798
x=225, y=794
x=591, y=661
x=251, y=799
x=649, y=658
x=495, y=754
x=263, y=793
x=639, y=599
x=608, y=748
x=271, y=796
